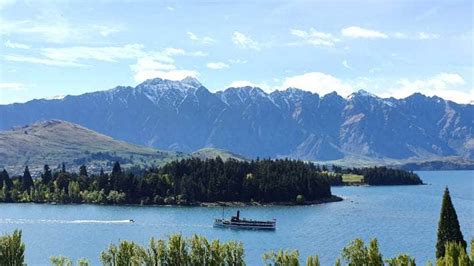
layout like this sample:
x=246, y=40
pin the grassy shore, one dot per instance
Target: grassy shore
x=352, y=179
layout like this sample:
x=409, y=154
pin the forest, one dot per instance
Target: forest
x=192, y=180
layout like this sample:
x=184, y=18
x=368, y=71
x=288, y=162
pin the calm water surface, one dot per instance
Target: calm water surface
x=403, y=218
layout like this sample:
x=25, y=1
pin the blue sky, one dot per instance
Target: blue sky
x=389, y=48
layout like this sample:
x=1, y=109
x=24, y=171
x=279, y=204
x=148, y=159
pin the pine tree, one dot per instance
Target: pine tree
x=448, y=226
x=47, y=175
x=2, y=177
x=26, y=180
x=116, y=170
x=83, y=170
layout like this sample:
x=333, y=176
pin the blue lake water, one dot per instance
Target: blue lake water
x=403, y=218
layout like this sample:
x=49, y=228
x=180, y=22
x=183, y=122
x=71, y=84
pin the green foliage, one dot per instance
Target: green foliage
x=83, y=170
x=401, y=260
x=26, y=180
x=373, y=254
x=47, y=175
x=356, y=253
x=454, y=255
x=60, y=261
x=384, y=176
x=5, y=181
x=126, y=253
x=189, y=181
x=83, y=262
x=282, y=258
x=313, y=261
x=449, y=229
x=175, y=251
x=12, y=249
x=197, y=250
x=472, y=250
x=300, y=199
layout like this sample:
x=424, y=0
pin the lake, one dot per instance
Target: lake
x=403, y=218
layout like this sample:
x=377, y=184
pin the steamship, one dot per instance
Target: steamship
x=236, y=222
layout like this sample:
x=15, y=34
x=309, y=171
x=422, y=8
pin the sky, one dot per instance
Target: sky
x=389, y=48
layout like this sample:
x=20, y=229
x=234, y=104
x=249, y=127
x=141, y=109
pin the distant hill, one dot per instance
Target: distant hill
x=445, y=164
x=211, y=153
x=54, y=142
x=185, y=116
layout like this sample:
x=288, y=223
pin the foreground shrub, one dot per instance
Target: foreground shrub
x=176, y=250
x=12, y=249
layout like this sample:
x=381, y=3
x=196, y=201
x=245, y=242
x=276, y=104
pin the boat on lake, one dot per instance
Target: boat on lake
x=236, y=222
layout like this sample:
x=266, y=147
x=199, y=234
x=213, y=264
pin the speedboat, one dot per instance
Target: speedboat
x=236, y=222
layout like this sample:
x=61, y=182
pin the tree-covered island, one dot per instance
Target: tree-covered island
x=194, y=181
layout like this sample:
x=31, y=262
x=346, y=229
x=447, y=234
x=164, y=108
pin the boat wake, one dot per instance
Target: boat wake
x=48, y=221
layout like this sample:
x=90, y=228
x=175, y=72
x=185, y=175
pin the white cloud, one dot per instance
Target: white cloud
x=444, y=85
x=106, y=30
x=76, y=55
x=153, y=66
x=207, y=40
x=4, y=3
x=14, y=45
x=237, y=61
x=150, y=64
x=346, y=65
x=12, y=86
x=314, y=37
x=399, y=35
x=243, y=41
x=427, y=36
x=417, y=36
x=358, y=32
x=204, y=40
x=217, y=65
x=55, y=29
x=42, y=61
x=317, y=82
x=108, y=53
x=192, y=36
x=197, y=54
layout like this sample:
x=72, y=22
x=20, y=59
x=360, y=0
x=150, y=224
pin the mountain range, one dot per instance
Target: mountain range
x=185, y=116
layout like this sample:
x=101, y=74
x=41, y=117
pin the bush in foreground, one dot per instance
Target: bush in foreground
x=197, y=250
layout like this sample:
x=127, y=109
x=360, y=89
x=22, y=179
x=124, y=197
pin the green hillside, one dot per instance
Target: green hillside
x=210, y=153
x=54, y=142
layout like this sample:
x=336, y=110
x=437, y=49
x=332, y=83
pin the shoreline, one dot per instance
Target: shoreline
x=333, y=198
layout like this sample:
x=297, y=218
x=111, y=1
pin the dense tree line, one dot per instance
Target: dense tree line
x=193, y=180
x=178, y=182
x=385, y=176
